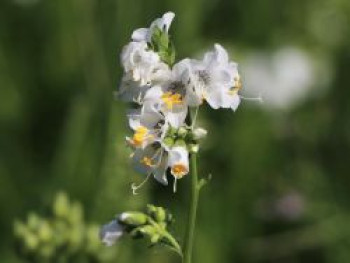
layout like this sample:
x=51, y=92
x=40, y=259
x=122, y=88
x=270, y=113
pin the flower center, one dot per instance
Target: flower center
x=203, y=77
x=147, y=161
x=179, y=170
x=171, y=99
x=139, y=136
x=236, y=87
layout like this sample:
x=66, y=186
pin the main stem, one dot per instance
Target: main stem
x=188, y=246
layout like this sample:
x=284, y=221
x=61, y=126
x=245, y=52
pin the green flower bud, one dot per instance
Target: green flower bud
x=157, y=213
x=193, y=148
x=168, y=141
x=33, y=222
x=76, y=214
x=147, y=230
x=150, y=232
x=182, y=132
x=199, y=134
x=61, y=205
x=133, y=218
x=31, y=241
x=180, y=142
x=160, y=214
x=171, y=132
x=45, y=232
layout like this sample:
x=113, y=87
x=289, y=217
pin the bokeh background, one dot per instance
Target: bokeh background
x=280, y=169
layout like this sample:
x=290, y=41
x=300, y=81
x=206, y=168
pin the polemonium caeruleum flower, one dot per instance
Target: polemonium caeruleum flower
x=176, y=91
x=150, y=124
x=142, y=68
x=178, y=161
x=215, y=79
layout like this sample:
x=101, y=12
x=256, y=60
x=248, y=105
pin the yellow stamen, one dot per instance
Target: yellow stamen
x=139, y=136
x=237, y=86
x=147, y=161
x=179, y=170
x=171, y=99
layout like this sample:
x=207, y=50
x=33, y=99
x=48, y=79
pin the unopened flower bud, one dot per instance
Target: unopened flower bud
x=193, y=148
x=147, y=230
x=171, y=131
x=158, y=213
x=45, y=232
x=180, y=142
x=133, y=218
x=168, y=141
x=199, y=133
x=182, y=132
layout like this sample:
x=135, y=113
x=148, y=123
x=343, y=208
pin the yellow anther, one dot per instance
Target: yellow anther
x=139, y=136
x=179, y=170
x=171, y=99
x=147, y=161
x=237, y=86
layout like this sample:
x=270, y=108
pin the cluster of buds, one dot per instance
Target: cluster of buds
x=63, y=236
x=164, y=93
x=152, y=224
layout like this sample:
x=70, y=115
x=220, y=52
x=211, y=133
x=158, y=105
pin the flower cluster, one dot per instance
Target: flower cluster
x=164, y=92
x=151, y=224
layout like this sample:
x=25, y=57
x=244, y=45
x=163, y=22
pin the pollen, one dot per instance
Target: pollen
x=147, y=161
x=237, y=86
x=179, y=170
x=140, y=136
x=171, y=99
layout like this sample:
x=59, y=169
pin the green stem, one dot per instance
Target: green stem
x=172, y=241
x=188, y=246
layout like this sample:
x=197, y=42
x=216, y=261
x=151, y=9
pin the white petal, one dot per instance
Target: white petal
x=111, y=232
x=160, y=172
x=178, y=154
x=167, y=19
x=221, y=54
x=214, y=97
x=134, y=119
x=154, y=93
x=137, y=160
x=176, y=118
x=140, y=34
x=181, y=70
x=235, y=102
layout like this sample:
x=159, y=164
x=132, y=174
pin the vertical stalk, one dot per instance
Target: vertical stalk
x=188, y=246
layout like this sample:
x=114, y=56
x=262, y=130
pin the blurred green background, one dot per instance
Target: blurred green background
x=280, y=187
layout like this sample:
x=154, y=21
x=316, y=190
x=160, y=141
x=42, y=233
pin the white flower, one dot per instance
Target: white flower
x=153, y=159
x=215, y=79
x=156, y=158
x=145, y=34
x=111, y=232
x=178, y=161
x=174, y=96
x=148, y=124
x=142, y=65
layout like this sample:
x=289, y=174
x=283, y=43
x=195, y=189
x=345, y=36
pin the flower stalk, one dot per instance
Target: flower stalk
x=192, y=214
